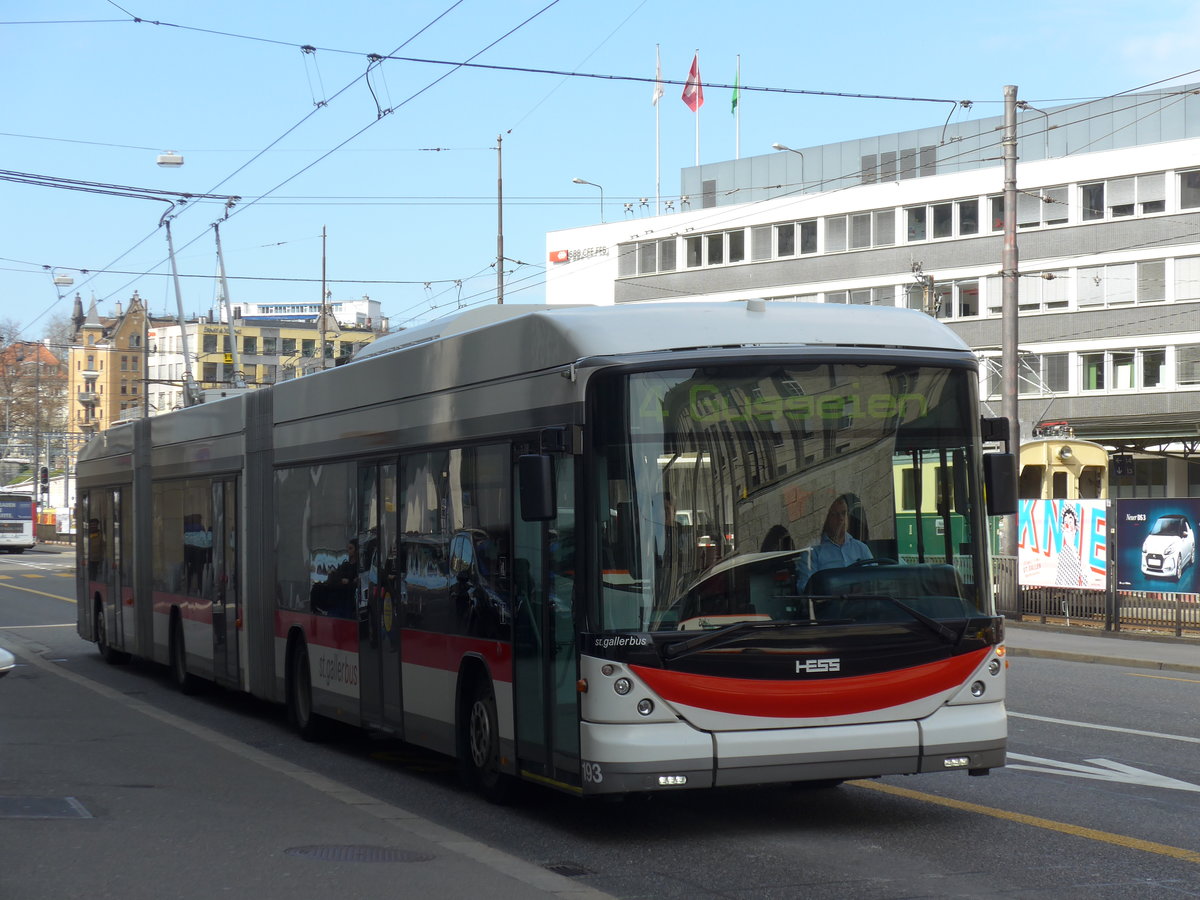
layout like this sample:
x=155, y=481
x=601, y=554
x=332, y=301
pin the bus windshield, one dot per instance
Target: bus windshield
x=800, y=493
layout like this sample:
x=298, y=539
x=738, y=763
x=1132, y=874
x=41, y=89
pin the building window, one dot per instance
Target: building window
x=308, y=346
x=1092, y=371
x=692, y=252
x=250, y=346
x=785, y=239
x=1189, y=190
x=943, y=220
x=210, y=372
x=1045, y=292
x=1151, y=367
x=915, y=217
x=968, y=216
x=210, y=343
x=666, y=255
x=860, y=231
x=1151, y=280
x=1151, y=193
x=1091, y=201
x=289, y=347
x=835, y=234
x=270, y=346
x=885, y=227
x=1187, y=364
x=808, y=236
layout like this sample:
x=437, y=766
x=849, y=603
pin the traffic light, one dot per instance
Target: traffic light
x=45, y=480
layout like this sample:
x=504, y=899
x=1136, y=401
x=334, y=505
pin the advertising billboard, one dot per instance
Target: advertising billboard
x=1063, y=543
x=1156, y=545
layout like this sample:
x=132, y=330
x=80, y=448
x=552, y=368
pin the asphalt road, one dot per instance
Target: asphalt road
x=196, y=796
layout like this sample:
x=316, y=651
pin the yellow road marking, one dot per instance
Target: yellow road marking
x=1092, y=834
x=16, y=587
x=1164, y=677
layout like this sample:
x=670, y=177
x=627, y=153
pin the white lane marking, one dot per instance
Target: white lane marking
x=1102, y=770
x=1153, y=734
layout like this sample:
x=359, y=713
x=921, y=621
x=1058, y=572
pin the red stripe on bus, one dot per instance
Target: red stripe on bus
x=824, y=698
x=422, y=648
x=326, y=631
x=445, y=652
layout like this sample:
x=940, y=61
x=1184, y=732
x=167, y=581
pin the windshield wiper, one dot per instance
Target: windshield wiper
x=677, y=649
x=946, y=634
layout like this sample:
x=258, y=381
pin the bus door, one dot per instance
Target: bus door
x=226, y=599
x=376, y=600
x=123, y=625
x=545, y=666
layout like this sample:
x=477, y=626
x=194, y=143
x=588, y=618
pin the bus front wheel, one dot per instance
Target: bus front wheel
x=483, y=747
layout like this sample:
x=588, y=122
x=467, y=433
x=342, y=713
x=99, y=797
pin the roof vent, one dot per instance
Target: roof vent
x=757, y=305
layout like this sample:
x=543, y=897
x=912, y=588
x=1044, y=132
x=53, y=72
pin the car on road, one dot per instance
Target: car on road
x=7, y=661
x=1169, y=547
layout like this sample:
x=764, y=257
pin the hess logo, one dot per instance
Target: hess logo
x=818, y=665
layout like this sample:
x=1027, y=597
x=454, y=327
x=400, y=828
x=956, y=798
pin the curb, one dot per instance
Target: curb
x=1106, y=660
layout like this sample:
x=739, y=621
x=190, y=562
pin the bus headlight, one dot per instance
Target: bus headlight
x=622, y=686
x=645, y=706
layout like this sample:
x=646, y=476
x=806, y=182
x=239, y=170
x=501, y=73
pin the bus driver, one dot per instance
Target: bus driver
x=835, y=548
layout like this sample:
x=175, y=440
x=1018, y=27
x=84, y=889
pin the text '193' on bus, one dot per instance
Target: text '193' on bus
x=605, y=549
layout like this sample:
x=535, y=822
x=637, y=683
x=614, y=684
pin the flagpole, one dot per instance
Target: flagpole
x=737, y=110
x=697, y=110
x=658, y=90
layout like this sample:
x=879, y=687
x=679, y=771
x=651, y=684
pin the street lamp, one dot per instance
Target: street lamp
x=778, y=146
x=593, y=184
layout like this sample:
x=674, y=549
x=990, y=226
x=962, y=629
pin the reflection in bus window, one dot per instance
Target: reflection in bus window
x=711, y=477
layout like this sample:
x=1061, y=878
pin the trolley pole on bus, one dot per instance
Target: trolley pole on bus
x=1008, y=297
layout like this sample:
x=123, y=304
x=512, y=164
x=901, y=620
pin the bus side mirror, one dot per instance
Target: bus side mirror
x=535, y=473
x=1000, y=483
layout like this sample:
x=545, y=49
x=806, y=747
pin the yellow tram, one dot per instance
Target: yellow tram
x=1057, y=465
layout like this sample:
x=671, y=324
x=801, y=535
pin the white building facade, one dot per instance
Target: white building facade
x=1108, y=219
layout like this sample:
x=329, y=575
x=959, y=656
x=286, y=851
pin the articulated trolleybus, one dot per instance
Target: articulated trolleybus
x=602, y=549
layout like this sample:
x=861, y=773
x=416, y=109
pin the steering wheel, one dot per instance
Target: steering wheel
x=874, y=561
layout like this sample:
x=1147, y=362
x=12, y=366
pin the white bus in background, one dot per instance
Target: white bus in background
x=18, y=522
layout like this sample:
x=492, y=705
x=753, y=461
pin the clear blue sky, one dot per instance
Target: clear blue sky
x=91, y=95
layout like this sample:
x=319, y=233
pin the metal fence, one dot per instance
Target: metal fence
x=1156, y=611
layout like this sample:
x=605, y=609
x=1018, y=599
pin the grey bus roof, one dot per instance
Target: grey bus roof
x=492, y=344
x=559, y=335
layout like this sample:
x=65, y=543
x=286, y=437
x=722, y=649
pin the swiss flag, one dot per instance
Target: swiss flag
x=559, y=256
x=693, y=91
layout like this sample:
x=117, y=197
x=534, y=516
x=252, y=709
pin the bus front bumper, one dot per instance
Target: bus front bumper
x=624, y=758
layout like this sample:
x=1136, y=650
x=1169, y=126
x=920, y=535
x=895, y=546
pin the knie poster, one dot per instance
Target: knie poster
x=1063, y=543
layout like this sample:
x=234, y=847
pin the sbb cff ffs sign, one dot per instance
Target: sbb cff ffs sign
x=562, y=256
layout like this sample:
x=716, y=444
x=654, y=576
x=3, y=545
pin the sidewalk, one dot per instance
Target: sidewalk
x=103, y=794
x=1140, y=651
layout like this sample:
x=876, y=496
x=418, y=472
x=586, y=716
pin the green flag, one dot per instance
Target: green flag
x=737, y=77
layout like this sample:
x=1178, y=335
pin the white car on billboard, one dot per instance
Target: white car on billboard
x=1169, y=547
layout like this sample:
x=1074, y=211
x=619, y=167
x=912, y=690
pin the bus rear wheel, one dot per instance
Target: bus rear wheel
x=307, y=723
x=182, y=678
x=483, y=747
x=108, y=653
